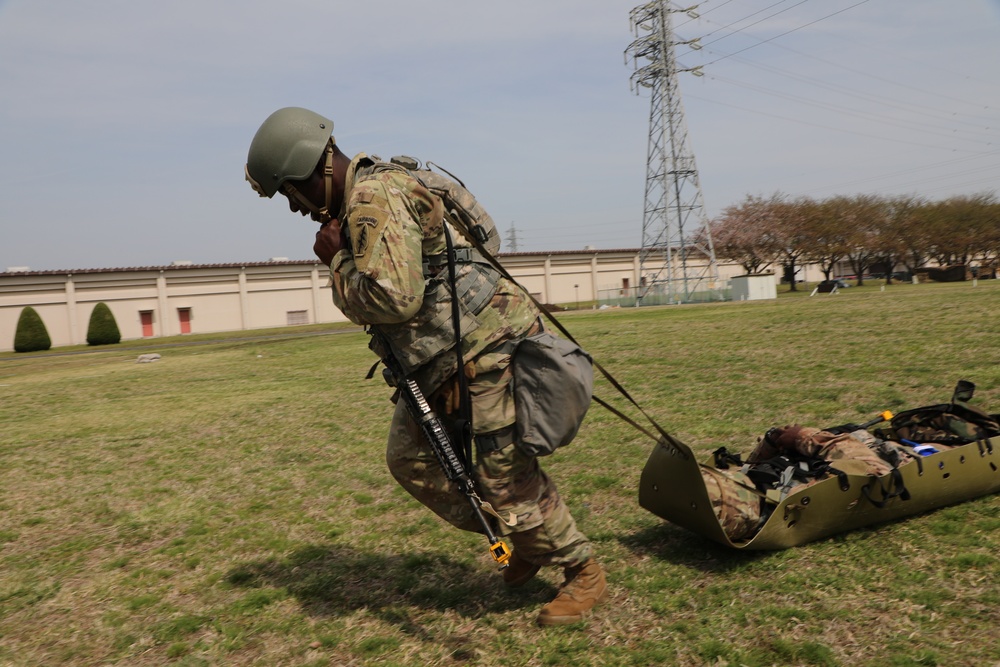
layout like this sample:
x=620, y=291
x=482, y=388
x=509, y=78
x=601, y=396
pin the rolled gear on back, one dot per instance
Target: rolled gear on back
x=458, y=201
x=808, y=483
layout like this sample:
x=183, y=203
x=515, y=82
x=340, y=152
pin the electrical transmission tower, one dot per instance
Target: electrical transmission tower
x=512, y=239
x=677, y=260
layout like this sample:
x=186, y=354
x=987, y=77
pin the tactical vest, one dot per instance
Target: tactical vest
x=432, y=331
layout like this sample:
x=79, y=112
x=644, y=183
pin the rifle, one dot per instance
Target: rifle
x=850, y=428
x=440, y=442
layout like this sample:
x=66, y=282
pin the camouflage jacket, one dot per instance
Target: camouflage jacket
x=394, y=224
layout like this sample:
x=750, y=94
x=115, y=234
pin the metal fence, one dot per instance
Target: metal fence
x=658, y=295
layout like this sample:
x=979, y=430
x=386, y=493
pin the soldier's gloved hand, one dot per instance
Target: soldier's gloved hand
x=329, y=241
x=451, y=395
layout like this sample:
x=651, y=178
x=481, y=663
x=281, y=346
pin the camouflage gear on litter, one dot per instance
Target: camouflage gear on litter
x=945, y=425
x=394, y=224
x=843, y=451
x=955, y=423
x=736, y=505
x=794, y=456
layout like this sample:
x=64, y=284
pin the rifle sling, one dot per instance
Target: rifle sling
x=465, y=399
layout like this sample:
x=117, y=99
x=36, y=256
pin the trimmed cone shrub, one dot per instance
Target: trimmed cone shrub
x=31, y=334
x=103, y=330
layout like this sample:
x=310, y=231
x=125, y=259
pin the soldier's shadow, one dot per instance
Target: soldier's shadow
x=335, y=580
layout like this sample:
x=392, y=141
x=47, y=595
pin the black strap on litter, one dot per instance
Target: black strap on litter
x=842, y=479
x=723, y=459
x=899, y=489
x=768, y=474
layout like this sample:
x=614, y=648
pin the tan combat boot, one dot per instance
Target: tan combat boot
x=585, y=587
x=519, y=571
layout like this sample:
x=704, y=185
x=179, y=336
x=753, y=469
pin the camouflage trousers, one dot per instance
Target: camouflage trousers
x=545, y=533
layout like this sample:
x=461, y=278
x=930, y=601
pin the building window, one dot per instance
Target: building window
x=146, y=319
x=296, y=317
x=184, y=318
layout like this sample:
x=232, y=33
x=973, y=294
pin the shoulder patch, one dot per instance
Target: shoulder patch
x=367, y=216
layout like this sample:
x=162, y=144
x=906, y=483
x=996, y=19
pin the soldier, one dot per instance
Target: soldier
x=383, y=235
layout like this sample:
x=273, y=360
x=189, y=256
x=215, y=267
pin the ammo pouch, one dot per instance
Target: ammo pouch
x=553, y=382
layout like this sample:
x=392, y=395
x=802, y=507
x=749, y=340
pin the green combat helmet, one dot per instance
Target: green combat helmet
x=287, y=147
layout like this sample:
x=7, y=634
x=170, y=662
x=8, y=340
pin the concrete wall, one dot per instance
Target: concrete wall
x=219, y=298
x=229, y=297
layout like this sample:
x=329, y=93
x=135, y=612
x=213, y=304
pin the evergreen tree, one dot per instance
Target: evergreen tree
x=31, y=334
x=103, y=329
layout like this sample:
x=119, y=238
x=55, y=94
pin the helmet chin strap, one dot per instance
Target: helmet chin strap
x=322, y=213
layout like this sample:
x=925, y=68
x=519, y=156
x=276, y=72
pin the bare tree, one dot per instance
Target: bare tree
x=790, y=222
x=867, y=230
x=963, y=226
x=744, y=233
x=894, y=230
x=825, y=234
x=989, y=252
x=861, y=216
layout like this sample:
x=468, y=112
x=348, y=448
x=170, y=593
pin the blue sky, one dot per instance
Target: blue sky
x=124, y=124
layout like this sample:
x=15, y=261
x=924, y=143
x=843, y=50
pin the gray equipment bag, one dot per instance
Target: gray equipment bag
x=553, y=382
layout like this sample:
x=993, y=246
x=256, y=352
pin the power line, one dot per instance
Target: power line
x=868, y=74
x=827, y=127
x=895, y=122
x=895, y=54
x=766, y=18
x=936, y=114
x=787, y=32
x=711, y=9
x=967, y=125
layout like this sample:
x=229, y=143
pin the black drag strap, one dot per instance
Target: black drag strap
x=664, y=438
x=465, y=399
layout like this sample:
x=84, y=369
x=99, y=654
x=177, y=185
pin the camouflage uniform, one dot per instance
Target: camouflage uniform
x=736, y=505
x=395, y=224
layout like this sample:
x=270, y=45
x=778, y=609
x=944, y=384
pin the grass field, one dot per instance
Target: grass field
x=229, y=504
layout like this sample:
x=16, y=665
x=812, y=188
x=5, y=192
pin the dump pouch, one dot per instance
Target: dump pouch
x=553, y=382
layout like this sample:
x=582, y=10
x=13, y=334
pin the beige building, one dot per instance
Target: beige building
x=183, y=298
